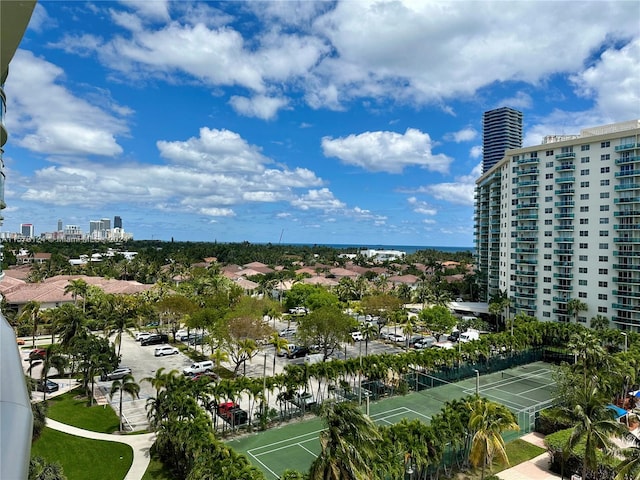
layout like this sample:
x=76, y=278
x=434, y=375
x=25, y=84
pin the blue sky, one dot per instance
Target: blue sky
x=307, y=122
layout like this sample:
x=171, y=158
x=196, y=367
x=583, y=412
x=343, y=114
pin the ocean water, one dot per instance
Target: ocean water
x=403, y=248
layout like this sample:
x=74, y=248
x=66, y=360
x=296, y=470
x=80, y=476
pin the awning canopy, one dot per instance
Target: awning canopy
x=620, y=412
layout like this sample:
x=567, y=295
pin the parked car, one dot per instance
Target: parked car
x=118, y=374
x=20, y=341
x=304, y=400
x=287, y=350
x=142, y=335
x=208, y=376
x=425, y=342
x=298, y=352
x=37, y=354
x=397, y=337
x=198, y=367
x=288, y=332
x=455, y=336
x=232, y=413
x=48, y=386
x=357, y=336
x=182, y=335
x=195, y=339
x=155, y=339
x=165, y=350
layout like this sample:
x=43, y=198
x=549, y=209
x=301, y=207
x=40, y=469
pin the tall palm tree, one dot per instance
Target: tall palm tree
x=487, y=422
x=78, y=287
x=280, y=344
x=52, y=359
x=629, y=468
x=127, y=385
x=348, y=444
x=369, y=330
x=31, y=313
x=71, y=323
x=575, y=306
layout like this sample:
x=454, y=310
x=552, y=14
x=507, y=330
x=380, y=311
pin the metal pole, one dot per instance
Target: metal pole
x=625, y=341
x=477, y=382
x=264, y=385
x=360, y=376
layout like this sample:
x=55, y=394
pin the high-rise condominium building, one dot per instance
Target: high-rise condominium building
x=561, y=221
x=117, y=222
x=26, y=230
x=501, y=131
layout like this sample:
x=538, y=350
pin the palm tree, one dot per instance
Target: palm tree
x=487, y=422
x=127, y=385
x=280, y=344
x=52, y=359
x=629, y=468
x=71, y=323
x=369, y=330
x=40, y=469
x=575, y=306
x=31, y=313
x=348, y=444
x=77, y=287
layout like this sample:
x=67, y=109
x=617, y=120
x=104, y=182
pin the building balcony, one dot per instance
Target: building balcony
x=563, y=240
x=564, y=215
x=627, y=213
x=528, y=171
x=563, y=227
x=562, y=264
x=565, y=191
x=524, y=295
x=623, y=293
x=634, y=280
x=563, y=288
x=560, y=299
x=633, y=322
x=526, y=239
x=526, y=284
x=528, y=183
x=627, y=186
x=626, y=306
x=627, y=200
x=565, y=179
x=522, y=206
x=526, y=250
x=628, y=173
x=565, y=155
x=626, y=266
x=627, y=239
x=567, y=276
x=526, y=273
x=626, y=253
x=532, y=228
x=528, y=195
x=522, y=261
x=565, y=167
x=560, y=311
x=625, y=160
x=525, y=161
x=563, y=251
x=528, y=216
x=627, y=146
x=565, y=203
x=626, y=227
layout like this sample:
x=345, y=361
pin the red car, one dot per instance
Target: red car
x=37, y=354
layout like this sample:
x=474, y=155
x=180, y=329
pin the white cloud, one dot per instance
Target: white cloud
x=259, y=106
x=464, y=135
x=46, y=117
x=321, y=199
x=40, y=19
x=476, y=152
x=386, y=151
x=460, y=192
x=421, y=207
x=153, y=10
x=520, y=101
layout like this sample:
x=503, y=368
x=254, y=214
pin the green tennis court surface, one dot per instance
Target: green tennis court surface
x=295, y=445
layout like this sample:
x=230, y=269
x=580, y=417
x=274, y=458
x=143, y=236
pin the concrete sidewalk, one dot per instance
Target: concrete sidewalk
x=139, y=443
x=535, y=469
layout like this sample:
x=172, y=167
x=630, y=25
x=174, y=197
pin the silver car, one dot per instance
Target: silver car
x=118, y=374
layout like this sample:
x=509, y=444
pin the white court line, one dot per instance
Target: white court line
x=275, y=476
x=305, y=448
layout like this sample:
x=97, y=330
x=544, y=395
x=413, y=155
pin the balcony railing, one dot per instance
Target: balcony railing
x=565, y=155
x=626, y=146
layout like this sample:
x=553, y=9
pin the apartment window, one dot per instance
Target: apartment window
x=548, y=176
x=603, y=284
x=582, y=294
x=603, y=271
x=604, y=170
x=583, y=258
x=546, y=302
x=546, y=314
x=548, y=187
x=604, y=208
x=549, y=153
x=584, y=233
x=604, y=220
x=603, y=258
x=584, y=172
x=584, y=208
x=604, y=194
x=548, y=234
x=533, y=154
x=548, y=222
x=584, y=148
x=604, y=183
x=602, y=296
x=584, y=184
x=582, y=283
x=583, y=245
x=584, y=196
x=603, y=246
x=547, y=256
x=546, y=279
x=548, y=199
x=602, y=309
x=584, y=221
x=584, y=160
x=604, y=233
x=549, y=164
x=546, y=291
x=605, y=157
x=548, y=210
x=547, y=268
x=605, y=144
x=547, y=245
x=583, y=270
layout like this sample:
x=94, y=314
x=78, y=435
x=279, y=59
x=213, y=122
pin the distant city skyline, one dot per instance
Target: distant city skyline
x=274, y=122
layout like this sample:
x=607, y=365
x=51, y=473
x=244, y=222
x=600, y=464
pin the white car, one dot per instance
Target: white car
x=182, y=335
x=357, y=336
x=142, y=335
x=398, y=337
x=288, y=332
x=165, y=350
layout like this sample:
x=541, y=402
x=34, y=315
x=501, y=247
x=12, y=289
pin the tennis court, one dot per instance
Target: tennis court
x=524, y=390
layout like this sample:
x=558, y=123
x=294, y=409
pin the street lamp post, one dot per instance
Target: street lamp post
x=477, y=382
x=625, y=341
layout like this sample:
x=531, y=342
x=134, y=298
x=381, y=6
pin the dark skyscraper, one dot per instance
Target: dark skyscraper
x=117, y=222
x=501, y=131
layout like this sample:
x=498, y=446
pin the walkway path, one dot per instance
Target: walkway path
x=535, y=469
x=139, y=443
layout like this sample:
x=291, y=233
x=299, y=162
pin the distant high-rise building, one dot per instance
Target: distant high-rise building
x=105, y=224
x=501, y=131
x=94, y=228
x=26, y=229
x=59, y=224
x=117, y=222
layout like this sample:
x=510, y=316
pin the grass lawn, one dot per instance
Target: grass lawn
x=82, y=458
x=156, y=471
x=518, y=451
x=66, y=408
